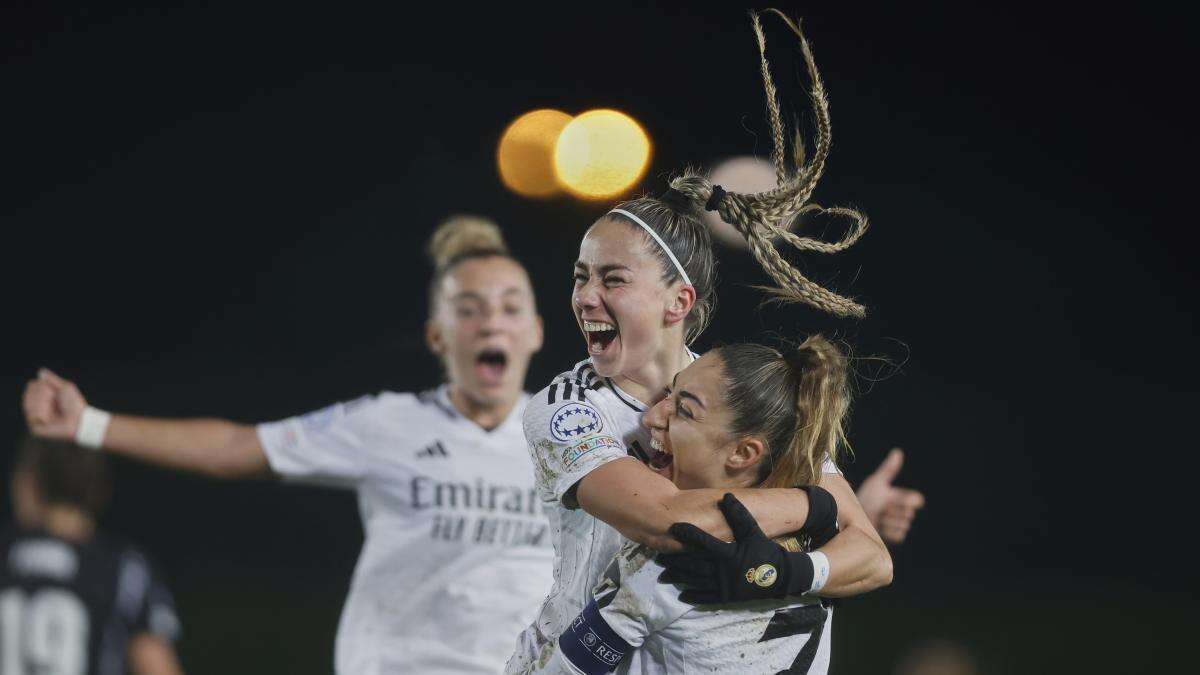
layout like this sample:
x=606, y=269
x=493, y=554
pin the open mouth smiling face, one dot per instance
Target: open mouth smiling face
x=618, y=298
x=690, y=439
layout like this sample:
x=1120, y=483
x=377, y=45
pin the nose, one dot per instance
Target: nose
x=491, y=320
x=586, y=296
x=658, y=416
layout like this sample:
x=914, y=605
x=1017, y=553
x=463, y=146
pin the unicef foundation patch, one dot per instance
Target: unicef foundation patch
x=581, y=448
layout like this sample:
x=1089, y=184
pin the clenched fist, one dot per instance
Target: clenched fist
x=52, y=406
x=890, y=508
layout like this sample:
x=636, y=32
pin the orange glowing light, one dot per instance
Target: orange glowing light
x=525, y=155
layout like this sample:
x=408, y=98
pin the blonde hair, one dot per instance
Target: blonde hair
x=765, y=216
x=460, y=238
x=795, y=400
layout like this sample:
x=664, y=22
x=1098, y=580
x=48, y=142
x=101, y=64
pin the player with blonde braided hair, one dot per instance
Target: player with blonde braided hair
x=644, y=289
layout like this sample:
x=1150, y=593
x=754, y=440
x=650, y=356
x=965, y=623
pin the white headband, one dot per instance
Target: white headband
x=662, y=244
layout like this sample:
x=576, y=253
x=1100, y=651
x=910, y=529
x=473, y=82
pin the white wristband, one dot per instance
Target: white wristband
x=93, y=424
x=820, y=570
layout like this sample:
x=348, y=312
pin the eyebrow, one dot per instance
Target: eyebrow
x=604, y=269
x=683, y=393
x=472, y=295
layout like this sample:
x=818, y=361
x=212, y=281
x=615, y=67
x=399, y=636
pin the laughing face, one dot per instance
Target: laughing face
x=619, y=298
x=485, y=328
x=691, y=441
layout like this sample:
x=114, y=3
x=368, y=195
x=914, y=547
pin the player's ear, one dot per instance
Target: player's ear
x=680, y=303
x=747, y=453
x=434, y=339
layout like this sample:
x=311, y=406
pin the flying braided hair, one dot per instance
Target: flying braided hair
x=763, y=218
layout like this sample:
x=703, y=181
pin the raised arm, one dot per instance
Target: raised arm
x=54, y=408
x=642, y=505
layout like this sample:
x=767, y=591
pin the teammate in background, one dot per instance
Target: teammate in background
x=73, y=600
x=456, y=554
x=740, y=416
x=644, y=286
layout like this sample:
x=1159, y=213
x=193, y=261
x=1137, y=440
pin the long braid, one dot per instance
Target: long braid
x=762, y=218
x=778, y=152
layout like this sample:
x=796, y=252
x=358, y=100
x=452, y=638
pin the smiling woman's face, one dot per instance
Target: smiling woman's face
x=690, y=429
x=619, y=298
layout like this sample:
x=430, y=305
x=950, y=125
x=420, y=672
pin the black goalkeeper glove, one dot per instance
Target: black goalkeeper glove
x=752, y=567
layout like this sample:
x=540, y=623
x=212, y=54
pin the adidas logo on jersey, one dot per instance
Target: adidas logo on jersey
x=435, y=450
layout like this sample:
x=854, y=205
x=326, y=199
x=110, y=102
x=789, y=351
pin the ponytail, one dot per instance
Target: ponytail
x=796, y=401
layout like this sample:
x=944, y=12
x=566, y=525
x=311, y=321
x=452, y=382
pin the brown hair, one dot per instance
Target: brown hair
x=795, y=400
x=458, y=239
x=66, y=474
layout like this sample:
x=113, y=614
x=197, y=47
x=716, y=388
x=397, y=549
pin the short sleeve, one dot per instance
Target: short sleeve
x=568, y=439
x=319, y=447
x=145, y=601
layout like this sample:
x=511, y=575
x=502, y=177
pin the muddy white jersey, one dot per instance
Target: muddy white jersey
x=637, y=625
x=577, y=424
x=456, y=555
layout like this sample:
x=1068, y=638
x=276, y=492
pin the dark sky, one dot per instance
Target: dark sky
x=219, y=211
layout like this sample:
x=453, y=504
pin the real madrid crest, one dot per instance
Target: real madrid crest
x=763, y=575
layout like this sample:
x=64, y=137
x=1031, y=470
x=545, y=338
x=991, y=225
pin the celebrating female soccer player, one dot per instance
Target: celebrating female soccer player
x=643, y=290
x=456, y=555
x=740, y=416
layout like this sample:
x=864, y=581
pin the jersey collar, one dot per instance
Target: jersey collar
x=441, y=399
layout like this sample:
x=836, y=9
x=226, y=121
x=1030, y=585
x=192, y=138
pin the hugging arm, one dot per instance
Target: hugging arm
x=642, y=505
x=753, y=567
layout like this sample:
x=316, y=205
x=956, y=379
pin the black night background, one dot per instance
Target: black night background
x=220, y=211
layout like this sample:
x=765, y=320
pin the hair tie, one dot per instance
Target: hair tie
x=797, y=358
x=675, y=199
x=714, y=202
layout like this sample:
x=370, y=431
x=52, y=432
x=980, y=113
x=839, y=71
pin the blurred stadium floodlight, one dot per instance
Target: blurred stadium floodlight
x=739, y=174
x=525, y=155
x=601, y=154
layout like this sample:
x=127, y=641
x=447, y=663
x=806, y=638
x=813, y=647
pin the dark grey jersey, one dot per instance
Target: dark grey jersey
x=71, y=608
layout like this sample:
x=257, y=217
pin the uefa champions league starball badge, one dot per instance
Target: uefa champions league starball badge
x=574, y=421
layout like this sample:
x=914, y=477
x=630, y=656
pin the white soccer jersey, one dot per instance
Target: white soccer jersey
x=457, y=553
x=577, y=424
x=637, y=625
